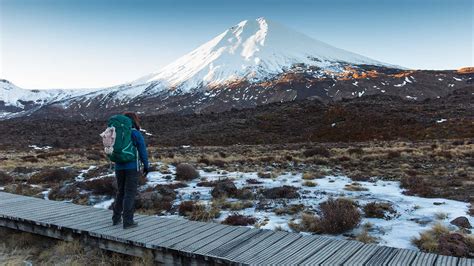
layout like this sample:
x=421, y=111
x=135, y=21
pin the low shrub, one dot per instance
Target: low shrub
x=253, y=181
x=5, y=178
x=238, y=219
x=312, y=175
x=284, y=192
x=365, y=237
x=338, y=216
x=355, y=187
x=415, y=185
x=393, y=154
x=204, y=213
x=156, y=201
x=378, y=210
x=186, y=208
x=356, y=150
x=440, y=240
x=186, y=172
x=68, y=192
x=454, y=244
x=52, y=176
x=320, y=151
x=224, y=188
x=309, y=183
x=289, y=210
x=265, y=175
x=100, y=186
x=309, y=223
x=24, y=189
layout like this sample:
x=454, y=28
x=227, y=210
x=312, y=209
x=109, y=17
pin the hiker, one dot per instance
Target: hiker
x=125, y=146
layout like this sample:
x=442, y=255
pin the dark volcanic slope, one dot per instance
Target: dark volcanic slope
x=360, y=119
x=297, y=84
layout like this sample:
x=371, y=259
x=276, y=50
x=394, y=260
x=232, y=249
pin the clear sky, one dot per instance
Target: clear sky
x=99, y=43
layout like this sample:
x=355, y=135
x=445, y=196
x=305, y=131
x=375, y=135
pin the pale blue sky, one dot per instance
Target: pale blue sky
x=98, y=43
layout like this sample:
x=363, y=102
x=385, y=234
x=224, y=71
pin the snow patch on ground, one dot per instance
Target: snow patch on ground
x=442, y=120
x=36, y=147
x=401, y=84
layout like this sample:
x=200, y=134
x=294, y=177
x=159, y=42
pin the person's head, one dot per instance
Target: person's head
x=134, y=118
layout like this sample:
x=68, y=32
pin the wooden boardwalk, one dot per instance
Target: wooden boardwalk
x=182, y=242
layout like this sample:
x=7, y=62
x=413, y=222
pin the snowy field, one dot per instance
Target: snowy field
x=413, y=214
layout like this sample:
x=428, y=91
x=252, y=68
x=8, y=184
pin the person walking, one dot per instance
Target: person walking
x=126, y=146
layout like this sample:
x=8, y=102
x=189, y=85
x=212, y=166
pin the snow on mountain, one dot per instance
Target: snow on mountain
x=14, y=96
x=254, y=50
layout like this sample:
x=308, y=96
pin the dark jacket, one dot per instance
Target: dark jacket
x=139, y=142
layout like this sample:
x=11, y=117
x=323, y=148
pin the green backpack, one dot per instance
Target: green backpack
x=123, y=149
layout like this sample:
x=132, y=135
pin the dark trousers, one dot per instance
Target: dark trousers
x=127, y=182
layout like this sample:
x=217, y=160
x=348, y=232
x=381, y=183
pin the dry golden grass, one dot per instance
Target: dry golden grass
x=309, y=183
x=355, y=187
x=18, y=248
x=365, y=237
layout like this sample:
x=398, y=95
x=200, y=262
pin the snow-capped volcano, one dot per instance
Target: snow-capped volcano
x=252, y=50
x=253, y=63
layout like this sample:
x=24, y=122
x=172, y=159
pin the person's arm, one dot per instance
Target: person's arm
x=141, y=147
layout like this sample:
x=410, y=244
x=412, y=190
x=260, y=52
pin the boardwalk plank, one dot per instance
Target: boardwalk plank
x=362, y=255
x=210, y=227
x=402, y=257
x=382, y=256
x=261, y=257
x=325, y=252
x=465, y=262
x=52, y=213
x=152, y=234
x=261, y=246
x=299, y=250
x=164, y=235
x=218, y=229
x=228, y=232
x=252, y=237
x=75, y=221
x=31, y=209
x=156, y=224
x=236, y=235
x=109, y=230
x=446, y=261
x=233, y=249
x=343, y=254
x=422, y=259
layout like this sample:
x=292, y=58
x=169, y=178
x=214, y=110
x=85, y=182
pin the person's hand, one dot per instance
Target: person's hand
x=145, y=171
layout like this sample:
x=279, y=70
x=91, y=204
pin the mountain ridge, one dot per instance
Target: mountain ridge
x=253, y=63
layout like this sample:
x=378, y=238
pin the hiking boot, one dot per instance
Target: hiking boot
x=116, y=222
x=132, y=225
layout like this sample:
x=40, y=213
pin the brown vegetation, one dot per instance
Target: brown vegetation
x=19, y=248
x=52, y=176
x=204, y=213
x=186, y=172
x=239, y=219
x=440, y=240
x=284, y=192
x=100, y=186
x=378, y=210
x=5, y=178
x=337, y=216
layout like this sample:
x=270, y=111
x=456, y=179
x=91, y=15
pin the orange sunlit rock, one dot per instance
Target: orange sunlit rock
x=402, y=74
x=466, y=70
